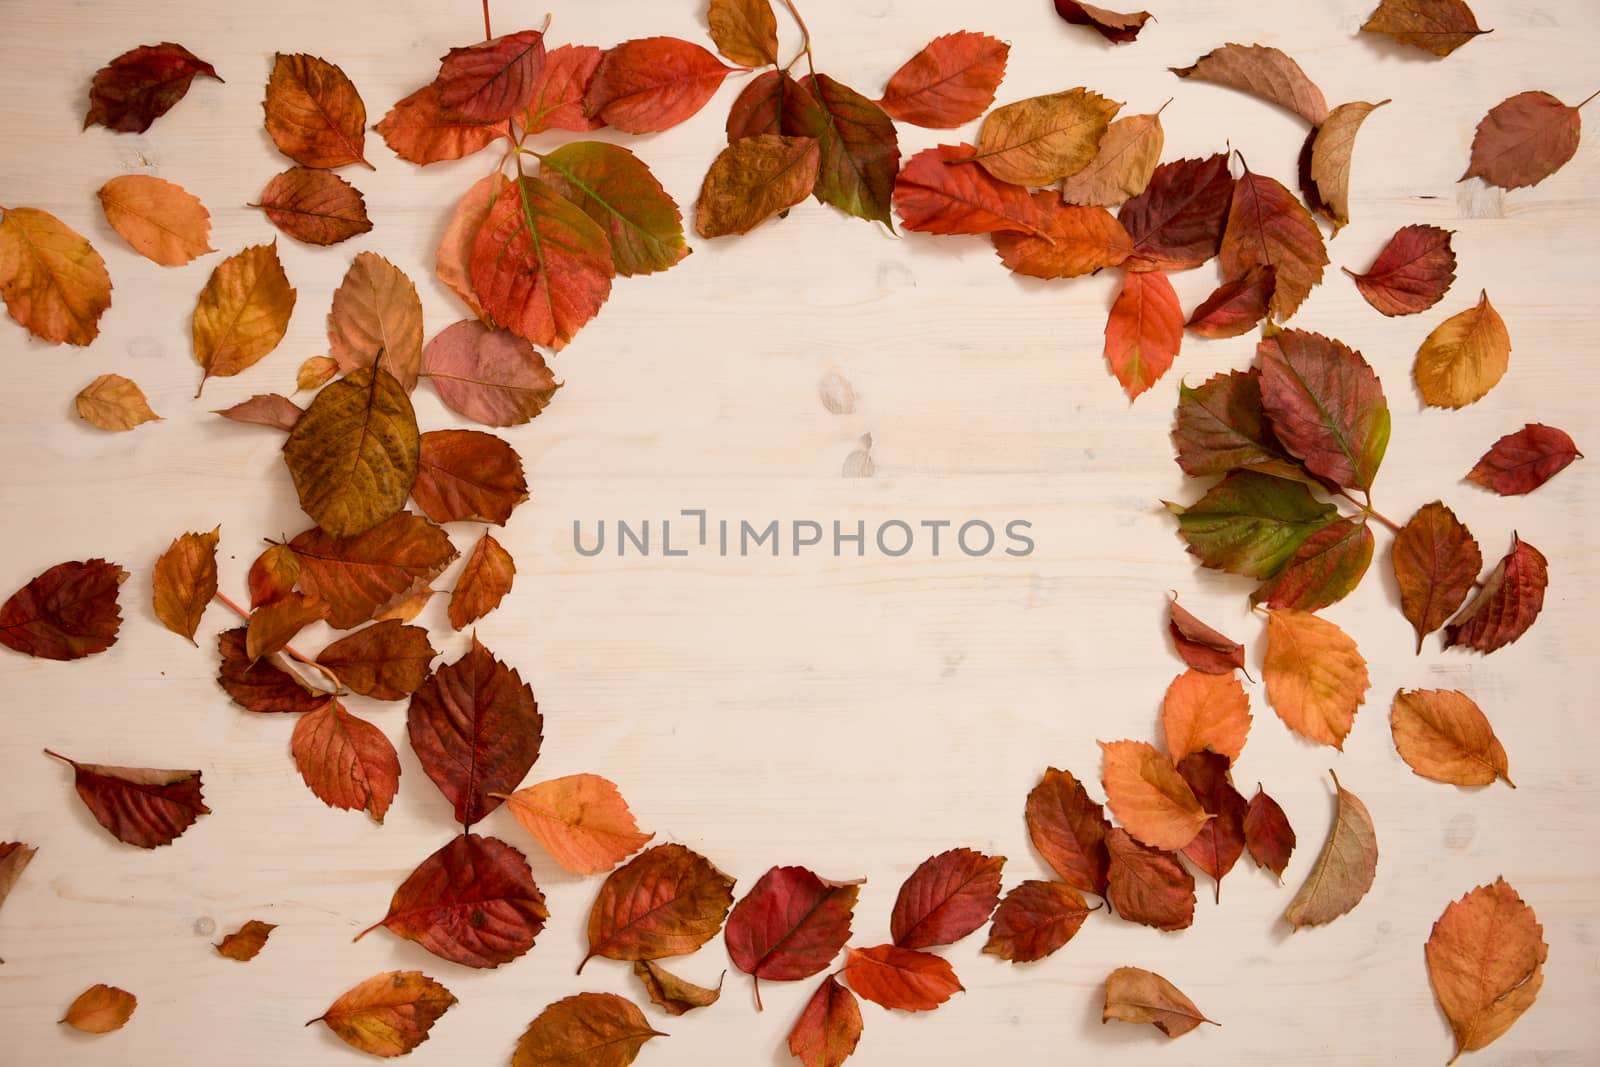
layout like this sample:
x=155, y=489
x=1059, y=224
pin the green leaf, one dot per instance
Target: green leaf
x=1324, y=570
x=1220, y=428
x=860, y=149
x=1251, y=524
x=1326, y=405
x=615, y=189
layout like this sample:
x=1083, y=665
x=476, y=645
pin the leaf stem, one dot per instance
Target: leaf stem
x=488, y=34
x=1588, y=98
x=805, y=39
x=1372, y=512
x=289, y=650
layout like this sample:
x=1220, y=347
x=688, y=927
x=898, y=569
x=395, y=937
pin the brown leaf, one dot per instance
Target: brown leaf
x=666, y=901
x=482, y=584
x=377, y=314
x=1178, y=221
x=100, y=1009
x=1148, y=796
x=247, y=942
x=354, y=453
x=1412, y=273
x=829, y=1028
x=265, y=409
x=1201, y=647
x=1114, y=26
x=419, y=130
x=487, y=375
x=468, y=476
x=1205, y=711
x=592, y=1029
x=141, y=85
x=185, y=580
x=259, y=685
x=54, y=283
x=1040, y=140
x=949, y=83
x=1316, y=677
x=1070, y=241
x=315, y=372
x=1236, y=306
x=581, y=820
x=385, y=661
x=1261, y=71
x=1267, y=833
x=242, y=312
x=407, y=609
x=14, y=857
x=746, y=31
x=1034, y=920
x=147, y=808
x=1464, y=357
x=1069, y=830
x=1486, y=957
x=1523, y=461
x=1523, y=140
x=1147, y=885
x=112, y=402
x=753, y=179
x=389, y=1014
x=900, y=979
x=345, y=760
x=1220, y=842
x=1443, y=735
x=164, y=223
x=672, y=994
x=68, y=612
x=1144, y=330
x=1267, y=225
x=313, y=112
x=1134, y=995
x=1344, y=869
x=1123, y=166
x=1437, y=26
x=314, y=206
x=1436, y=561
x=1332, y=146
x=946, y=898
x=1506, y=605
x=363, y=576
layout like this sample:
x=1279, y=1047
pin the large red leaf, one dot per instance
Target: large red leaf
x=901, y=978
x=1069, y=830
x=828, y=1029
x=493, y=80
x=790, y=925
x=141, y=85
x=68, y=612
x=941, y=190
x=346, y=761
x=1523, y=461
x=259, y=685
x=363, y=576
x=652, y=84
x=473, y=902
x=1506, y=605
x=1177, y=222
x=1325, y=405
x=948, y=83
x=857, y=140
x=140, y=806
x=946, y=898
x=1144, y=330
x=666, y=901
x=1034, y=920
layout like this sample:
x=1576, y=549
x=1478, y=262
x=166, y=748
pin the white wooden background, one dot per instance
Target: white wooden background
x=855, y=716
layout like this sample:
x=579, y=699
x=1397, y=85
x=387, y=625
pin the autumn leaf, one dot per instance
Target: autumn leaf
x=1412, y=273
x=753, y=179
x=1114, y=26
x=1324, y=570
x=1205, y=711
x=164, y=223
x=354, y=453
x=1147, y=885
x=557, y=102
x=858, y=149
x=790, y=925
x=112, y=402
x=1144, y=330
x=1344, y=869
x=1069, y=830
x=314, y=206
x=468, y=476
x=363, y=576
x=242, y=314
x=946, y=898
x=272, y=626
x=1034, y=920
x=1523, y=140
x=142, y=807
x=900, y=978
x=1178, y=221
x=141, y=85
x=1123, y=166
x=476, y=729
x=265, y=409
x=828, y=1029
x=949, y=83
x=473, y=902
x=68, y=612
x=487, y=375
x=940, y=190
x=1201, y=647
x=1269, y=226
x=453, y=259
x=1251, y=524
x=385, y=661
x=666, y=901
x=483, y=583
x=185, y=580
x=762, y=105
x=1316, y=678
x=1134, y=995
x=419, y=130
x=408, y=608
x=593, y=1029
x=615, y=188
x=1221, y=427
x=1264, y=72
x=746, y=31
x=1437, y=26
x=1220, y=842
x=245, y=943
x=1523, y=461
x=345, y=760
x=1327, y=164
x=1443, y=735
x=1486, y=957
x=1236, y=306
x=652, y=84
x=1464, y=357
x=1267, y=833
x=1040, y=140
x=54, y=283
x=1436, y=562
x=1507, y=603
x=100, y=1009
x=581, y=820
x=1070, y=241
x=377, y=314
x=259, y=685
x=493, y=80
x=1147, y=795
x=314, y=113
x=389, y=1014
x=674, y=995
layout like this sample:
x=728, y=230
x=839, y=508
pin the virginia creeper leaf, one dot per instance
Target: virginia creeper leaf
x=389, y=1014
x=666, y=901
x=1069, y=830
x=1443, y=735
x=1251, y=524
x=949, y=83
x=1506, y=605
x=1144, y=330
x=139, y=806
x=242, y=314
x=760, y=108
x=591, y=1029
x=141, y=85
x=1344, y=869
x=314, y=113
x=746, y=31
x=1034, y=920
x=1412, y=273
x=1040, y=140
x=1220, y=842
x=419, y=130
x=1205, y=711
x=1323, y=571
x=1220, y=427
x=858, y=149
x=900, y=978
x=354, y=453
x=164, y=223
x=1316, y=678
x=946, y=898
x=112, y=402
x=652, y=84
x=557, y=102
x=490, y=376
x=615, y=188
x=54, y=283
x=453, y=260
x=1134, y=995
x=581, y=820
x=1147, y=885
x=1523, y=461
x=185, y=580
x=492, y=80
x=1264, y=72
x=68, y=612
x=1486, y=957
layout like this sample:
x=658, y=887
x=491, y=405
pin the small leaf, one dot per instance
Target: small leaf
x=265, y=409
x=468, y=476
x=389, y=1014
x=1344, y=869
x=14, y=857
x=244, y=944
x=1034, y=920
x=258, y=685
x=54, y=283
x=354, y=453
x=492, y=80
x=1148, y=796
x=363, y=576
x=490, y=376
x=949, y=83
x=314, y=373
x=1331, y=147
x=142, y=807
x=483, y=583
x=1323, y=571
x=1267, y=833
x=141, y=85
x=345, y=760
x=386, y=661
x=1178, y=221
x=790, y=925
x=672, y=994
x=1443, y=735
x=1205, y=711
x=581, y=820
x=1267, y=225
x=941, y=190
x=900, y=978
x=1464, y=357
x=1114, y=26
x=1040, y=140
x=1412, y=273
x=666, y=901
x=1235, y=307
x=419, y=130
x=616, y=189
x=243, y=312
x=828, y=1029
x=314, y=113
x=112, y=402
x=1261, y=71
x=315, y=206
x=1523, y=461
x=1523, y=140
x=1147, y=885
x=1134, y=995
x=643, y=86
x=185, y=581
x=68, y=612
x=1508, y=602
x=858, y=148
x=752, y=180
x=1437, y=26
x=1071, y=241
x=1251, y=524
x=1486, y=957
x=100, y=1009
x=946, y=898
x=377, y=315
x=1201, y=647
x=1144, y=330
x=592, y=1029
x=164, y=223
x=1436, y=561
x=746, y=31
x=1316, y=678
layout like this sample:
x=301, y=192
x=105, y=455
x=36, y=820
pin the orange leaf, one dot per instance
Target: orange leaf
x=557, y=102
x=483, y=582
x=315, y=372
x=185, y=580
x=68, y=612
x=112, y=402
x=389, y=1014
x=100, y=1009
x=1034, y=920
x=55, y=284
x=1464, y=357
x=746, y=31
x=1205, y=711
x=453, y=260
x=1443, y=735
x=652, y=84
x=247, y=942
x=377, y=314
x=1486, y=957
x=941, y=190
x=314, y=206
x=592, y=1029
x=242, y=314
x=1147, y=795
x=418, y=129
x=160, y=220
x=666, y=901
x=901, y=978
x=314, y=114
x=1071, y=240
x=346, y=761
x=1344, y=869
x=829, y=1028
x=1134, y=995
x=272, y=626
x=1316, y=678
x=581, y=820
x=950, y=82
x=1144, y=330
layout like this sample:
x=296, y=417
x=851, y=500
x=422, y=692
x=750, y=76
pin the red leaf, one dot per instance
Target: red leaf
x=346, y=761
x=476, y=729
x=314, y=114
x=386, y=661
x=314, y=206
x=140, y=806
x=950, y=82
x=363, y=576
x=1147, y=885
x=1069, y=830
x=1220, y=842
x=1506, y=605
x=901, y=978
x=1034, y=920
x=1236, y=306
x=828, y=1029
x=652, y=84
x=468, y=476
x=141, y=85
x=1412, y=273
x=1144, y=330
x=1220, y=428
x=1072, y=240
x=491, y=81
x=419, y=130
x=666, y=901
x=557, y=101
x=490, y=376
x=1436, y=561
x=857, y=141
x=265, y=409
x=1201, y=647
x=1177, y=222
x=946, y=898
x=1267, y=833
x=1326, y=406
x=763, y=105
x=1267, y=224
x=1523, y=461
x=790, y=926
x=68, y=612
x=483, y=582
x=260, y=686
x=473, y=902
x=1114, y=26
x=940, y=190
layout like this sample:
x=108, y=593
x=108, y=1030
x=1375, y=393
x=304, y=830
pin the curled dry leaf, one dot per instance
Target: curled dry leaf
x=100, y=1009
x=746, y=31
x=258, y=685
x=385, y=661
x=1267, y=833
x=1220, y=427
x=1122, y=167
x=354, y=453
x=1436, y=561
x=790, y=925
x=468, y=476
x=1178, y=221
x=949, y=83
x=1069, y=830
x=272, y=626
x=473, y=902
x=139, y=806
x=112, y=402
x=141, y=85
x=1034, y=920
x=1071, y=240
x=493, y=80
x=1144, y=330
x=242, y=314
x=1201, y=647
x=364, y=576
x=674, y=995
x=1523, y=461
x=265, y=409
x=1324, y=570
x=314, y=206
x=859, y=150
x=900, y=978
x=581, y=820
x=1147, y=885
x=1251, y=524
x=1134, y=995
x=185, y=580
x=1268, y=225
x=315, y=372
x=377, y=315
x=753, y=179
x=1327, y=161
x=490, y=376
x=68, y=612
x=1236, y=306
x=314, y=113
x=1344, y=869
x=1506, y=605
x=419, y=130
x=164, y=223
x=1464, y=357
x=1523, y=140
x=1261, y=71
x=1486, y=957
x=1220, y=842
x=1316, y=678
x=620, y=194
x=594, y=1029
x=652, y=84
x=1205, y=711
x=245, y=943
x=346, y=761
x=1114, y=26
x=946, y=898
x=1148, y=796
x=1412, y=273
x=54, y=283
x=666, y=901
x=389, y=1014
x=1040, y=140
x=557, y=101
x=1443, y=735
x=829, y=1028
x=941, y=190
x=1437, y=26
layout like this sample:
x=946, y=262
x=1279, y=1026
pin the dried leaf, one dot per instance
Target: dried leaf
x=1134, y=995
x=1523, y=461
x=1236, y=306
x=242, y=314
x=828, y=1029
x=1220, y=842
x=483, y=582
x=54, y=283
x=258, y=685
x=1034, y=920
x=1523, y=140
x=142, y=807
x=1267, y=833
x=762, y=106
x=386, y=661
x=377, y=315
x=900, y=978
x=858, y=148
x=247, y=942
x=68, y=612
x=1506, y=605
x=1412, y=273
x=1486, y=957
x=490, y=376
x=1344, y=869
x=1269, y=226
x=746, y=31
x=1148, y=796
x=1114, y=26
x=620, y=194
x=164, y=223
x=389, y=1014
x=1437, y=26
x=940, y=190
x=468, y=476
x=185, y=580
x=1070, y=241
x=949, y=83
x=345, y=760
x=672, y=994
x=1205, y=711
x=100, y=1009
x=314, y=113
x=1261, y=71
x=1323, y=571
x=753, y=179
x=1178, y=221
x=314, y=206
x=1144, y=330
x=946, y=898
x=1251, y=524
x=790, y=925
x=1069, y=830
x=557, y=102
x=1201, y=647
x=1443, y=735
x=1332, y=145
x=1043, y=139
x=1436, y=561
x=1147, y=885
x=493, y=80
x=652, y=84
x=1316, y=678
x=419, y=129
x=592, y=1029
x=354, y=453
x=666, y=901
x=272, y=626
x=581, y=820
x=265, y=409
x=361, y=577
x=112, y=402
x=141, y=85
x=1464, y=357
x=453, y=261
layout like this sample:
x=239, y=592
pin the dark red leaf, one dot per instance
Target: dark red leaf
x=1148, y=885
x=140, y=86
x=1412, y=273
x=1220, y=842
x=1069, y=830
x=946, y=898
x=1267, y=833
x=1506, y=605
x=140, y=806
x=1237, y=305
x=1523, y=461
x=790, y=926
x=1201, y=647
x=764, y=105
x=1034, y=920
x=1177, y=222
x=491, y=81
x=68, y=612
x=1114, y=26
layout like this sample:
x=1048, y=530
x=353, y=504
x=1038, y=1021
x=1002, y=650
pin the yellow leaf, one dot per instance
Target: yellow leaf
x=242, y=313
x=112, y=402
x=1443, y=735
x=1043, y=139
x=1464, y=358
